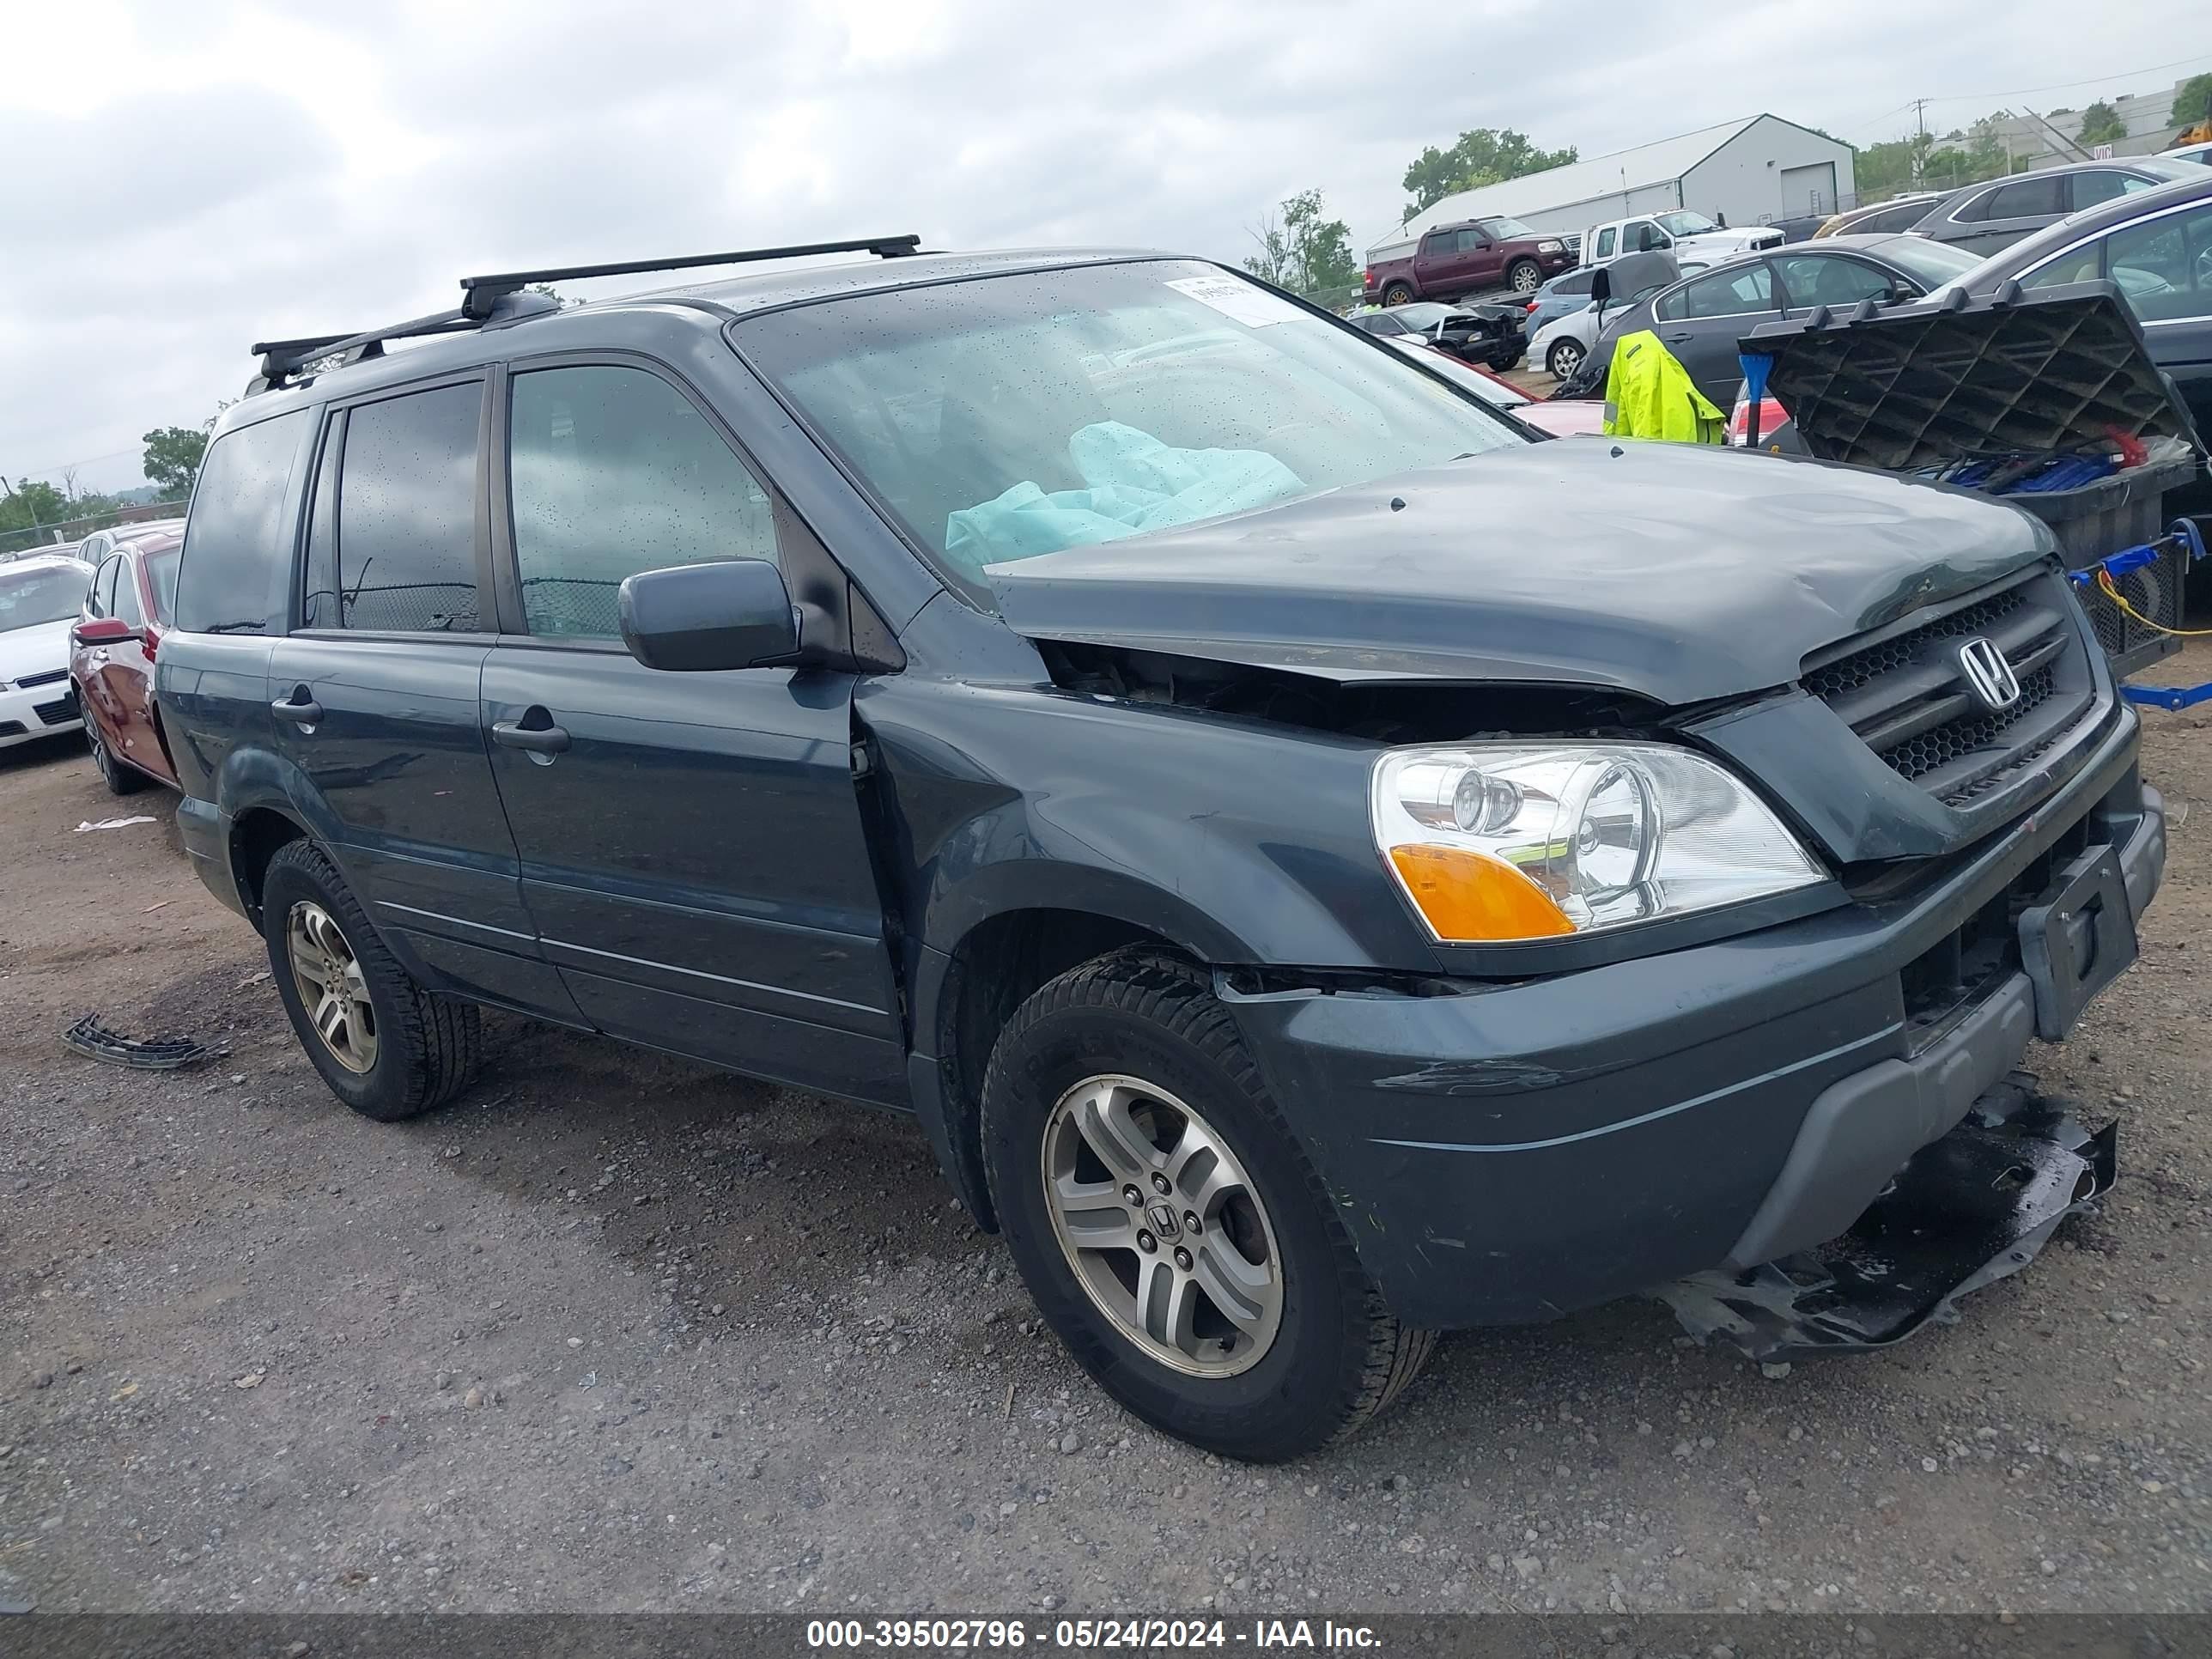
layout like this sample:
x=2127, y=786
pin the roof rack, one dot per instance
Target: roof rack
x=501, y=298
x=480, y=291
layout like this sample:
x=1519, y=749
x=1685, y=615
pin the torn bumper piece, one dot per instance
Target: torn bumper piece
x=1967, y=1210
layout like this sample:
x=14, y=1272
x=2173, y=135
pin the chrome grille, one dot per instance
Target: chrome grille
x=1906, y=697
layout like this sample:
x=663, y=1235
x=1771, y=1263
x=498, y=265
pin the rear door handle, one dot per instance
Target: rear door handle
x=1677, y=339
x=541, y=739
x=303, y=713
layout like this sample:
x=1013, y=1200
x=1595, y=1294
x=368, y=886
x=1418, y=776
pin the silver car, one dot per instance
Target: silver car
x=1993, y=215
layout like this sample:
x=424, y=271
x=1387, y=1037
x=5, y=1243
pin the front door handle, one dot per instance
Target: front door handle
x=540, y=740
x=1679, y=339
x=303, y=713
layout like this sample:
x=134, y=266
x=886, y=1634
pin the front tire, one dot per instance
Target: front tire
x=1564, y=358
x=120, y=777
x=1522, y=276
x=1167, y=1225
x=387, y=1047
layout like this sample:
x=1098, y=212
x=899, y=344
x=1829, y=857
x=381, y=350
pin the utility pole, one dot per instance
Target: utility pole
x=1920, y=144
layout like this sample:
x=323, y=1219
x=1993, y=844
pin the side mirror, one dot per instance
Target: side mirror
x=103, y=630
x=736, y=613
x=1601, y=289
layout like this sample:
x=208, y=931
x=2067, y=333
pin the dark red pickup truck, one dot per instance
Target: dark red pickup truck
x=1468, y=259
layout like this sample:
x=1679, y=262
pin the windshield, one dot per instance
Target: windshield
x=1929, y=264
x=1004, y=417
x=28, y=597
x=161, y=571
x=1686, y=224
x=1506, y=230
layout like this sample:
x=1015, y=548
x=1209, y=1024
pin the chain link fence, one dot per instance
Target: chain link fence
x=34, y=539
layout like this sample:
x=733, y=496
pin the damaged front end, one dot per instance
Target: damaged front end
x=1967, y=1210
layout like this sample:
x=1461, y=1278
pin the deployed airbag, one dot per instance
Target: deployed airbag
x=1133, y=484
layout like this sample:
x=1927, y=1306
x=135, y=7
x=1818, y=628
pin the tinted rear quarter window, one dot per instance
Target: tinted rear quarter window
x=237, y=552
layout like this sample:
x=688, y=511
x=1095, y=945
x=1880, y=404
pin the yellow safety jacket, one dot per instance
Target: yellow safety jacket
x=1648, y=394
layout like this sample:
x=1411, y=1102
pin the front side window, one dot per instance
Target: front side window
x=1823, y=279
x=1649, y=238
x=406, y=512
x=127, y=604
x=612, y=471
x=1005, y=417
x=161, y=575
x=100, y=597
x=237, y=554
x=2091, y=188
x=2165, y=267
x=46, y=594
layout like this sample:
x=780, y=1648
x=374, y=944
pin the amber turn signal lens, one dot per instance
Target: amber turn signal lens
x=1472, y=896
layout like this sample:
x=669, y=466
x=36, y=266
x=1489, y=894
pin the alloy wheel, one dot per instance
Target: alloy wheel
x=333, y=989
x=1566, y=358
x=101, y=761
x=1524, y=279
x=1162, y=1226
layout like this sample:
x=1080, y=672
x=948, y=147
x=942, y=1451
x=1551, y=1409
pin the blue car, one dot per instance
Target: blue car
x=1568, y=291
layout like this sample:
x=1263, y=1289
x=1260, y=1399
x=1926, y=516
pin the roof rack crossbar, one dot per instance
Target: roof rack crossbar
x=480, y=289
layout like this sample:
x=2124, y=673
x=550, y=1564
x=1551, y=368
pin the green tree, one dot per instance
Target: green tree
x=1482, y=157
x=2101, y=124
x=32, y=502
x=1302, y=251
x=2193, y=103
x=173, y=458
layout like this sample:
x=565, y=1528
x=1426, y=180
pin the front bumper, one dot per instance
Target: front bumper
x=27, y=714
x=1515, y=1151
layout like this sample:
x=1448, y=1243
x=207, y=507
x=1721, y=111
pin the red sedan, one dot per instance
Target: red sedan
x=112, y=651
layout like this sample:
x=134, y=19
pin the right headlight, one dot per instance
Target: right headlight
x=1503, y=842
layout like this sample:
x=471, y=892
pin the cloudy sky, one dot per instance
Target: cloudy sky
x=179, y=178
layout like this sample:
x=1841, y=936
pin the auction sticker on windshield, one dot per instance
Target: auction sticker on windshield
x=1233, y=299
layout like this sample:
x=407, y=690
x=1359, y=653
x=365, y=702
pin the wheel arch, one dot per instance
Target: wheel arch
x=966, y=995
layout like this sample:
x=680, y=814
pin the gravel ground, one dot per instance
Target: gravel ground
x=616, y=1333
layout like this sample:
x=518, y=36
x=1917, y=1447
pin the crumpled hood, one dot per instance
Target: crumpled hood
x=1680, y=573
x=39, y=649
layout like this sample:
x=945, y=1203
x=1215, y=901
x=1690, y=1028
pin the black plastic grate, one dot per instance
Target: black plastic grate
x=1863, y=668
x=1916, y=757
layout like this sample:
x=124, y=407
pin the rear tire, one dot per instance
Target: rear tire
x=1564, y=358
x=387, y=1047
x=1523, y=277
x=1137, y=1039
x=1396, y=294
x=120, y=776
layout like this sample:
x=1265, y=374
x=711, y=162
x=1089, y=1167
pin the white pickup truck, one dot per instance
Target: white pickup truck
x=1684, y=233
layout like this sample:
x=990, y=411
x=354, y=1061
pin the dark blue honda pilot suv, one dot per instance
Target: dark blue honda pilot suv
x=1324, y=864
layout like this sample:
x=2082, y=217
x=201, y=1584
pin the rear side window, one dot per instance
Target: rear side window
x=612, y=471
x=1604, y=243
x=407, y=513
x=2165, y=267
x=237, y=549
x=2031, y=198
x=1579, y=282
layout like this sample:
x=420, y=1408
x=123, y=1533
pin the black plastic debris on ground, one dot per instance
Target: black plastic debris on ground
x=1968, y=1210
x=94, y=1041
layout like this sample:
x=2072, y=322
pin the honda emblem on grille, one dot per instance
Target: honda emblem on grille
x=1989, y=674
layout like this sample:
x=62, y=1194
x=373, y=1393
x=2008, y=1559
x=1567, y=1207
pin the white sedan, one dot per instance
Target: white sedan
x=40, y=599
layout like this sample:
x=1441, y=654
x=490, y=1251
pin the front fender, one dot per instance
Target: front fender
x=1241, y=841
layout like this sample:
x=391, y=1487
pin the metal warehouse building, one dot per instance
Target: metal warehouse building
x=1751, y=171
